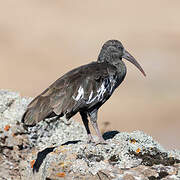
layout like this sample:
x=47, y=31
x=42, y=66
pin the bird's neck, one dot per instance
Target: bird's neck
x=121, y=69
x=116, y=62
x=119, y=64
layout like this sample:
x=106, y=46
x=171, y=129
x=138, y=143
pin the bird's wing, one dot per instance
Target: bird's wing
x=86, y=86
x=82, y=87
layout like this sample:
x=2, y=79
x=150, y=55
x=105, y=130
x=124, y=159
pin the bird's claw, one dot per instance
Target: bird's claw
x=103, y=142
x=100, y=141
x=90, y=139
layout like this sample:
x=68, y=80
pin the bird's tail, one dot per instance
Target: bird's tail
x=28, y=119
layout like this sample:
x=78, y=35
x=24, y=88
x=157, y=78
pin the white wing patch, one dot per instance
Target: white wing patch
x=101, y=92
x=104, y=88
x=80, y=94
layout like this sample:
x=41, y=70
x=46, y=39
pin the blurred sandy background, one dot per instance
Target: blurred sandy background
x=40, y=40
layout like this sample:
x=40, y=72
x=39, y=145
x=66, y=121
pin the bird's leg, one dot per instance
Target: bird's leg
x=86, y=124
x=93, y=119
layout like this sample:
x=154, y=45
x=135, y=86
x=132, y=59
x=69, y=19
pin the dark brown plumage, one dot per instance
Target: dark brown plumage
x=83, y=89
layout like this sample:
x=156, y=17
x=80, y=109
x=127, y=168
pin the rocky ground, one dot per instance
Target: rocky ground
x=55, y=150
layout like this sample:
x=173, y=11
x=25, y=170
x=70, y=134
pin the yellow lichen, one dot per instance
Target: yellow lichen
x=61, y=174
x=32, y=163
x=7, y=127
x=138, y=150
x=133, y=141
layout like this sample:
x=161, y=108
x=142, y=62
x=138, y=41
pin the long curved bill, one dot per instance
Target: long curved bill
x=131, y=59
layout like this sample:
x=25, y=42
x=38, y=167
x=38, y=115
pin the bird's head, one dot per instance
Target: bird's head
x=113, y=51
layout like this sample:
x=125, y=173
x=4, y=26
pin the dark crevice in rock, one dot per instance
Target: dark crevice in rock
x=114, y=159
x=5, y=147
x=9, y=104
x=91, y=157
x=153, y=156
x=3, y=139
x=70, y=142
x=162, y=174
x=40, y=158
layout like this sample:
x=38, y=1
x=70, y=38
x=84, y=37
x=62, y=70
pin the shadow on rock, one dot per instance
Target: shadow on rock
x=42, y=155
x=40, y=158
x=70, y=142
x=110, y=134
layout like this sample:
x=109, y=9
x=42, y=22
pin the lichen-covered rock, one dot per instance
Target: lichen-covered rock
x=59, y=150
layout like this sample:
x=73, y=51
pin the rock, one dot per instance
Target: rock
x=59, y=150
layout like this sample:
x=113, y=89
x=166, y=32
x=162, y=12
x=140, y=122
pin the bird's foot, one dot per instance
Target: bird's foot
x=90, y=139
x=100, y=141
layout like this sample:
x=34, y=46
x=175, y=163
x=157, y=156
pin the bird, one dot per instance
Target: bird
x=84, y=89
